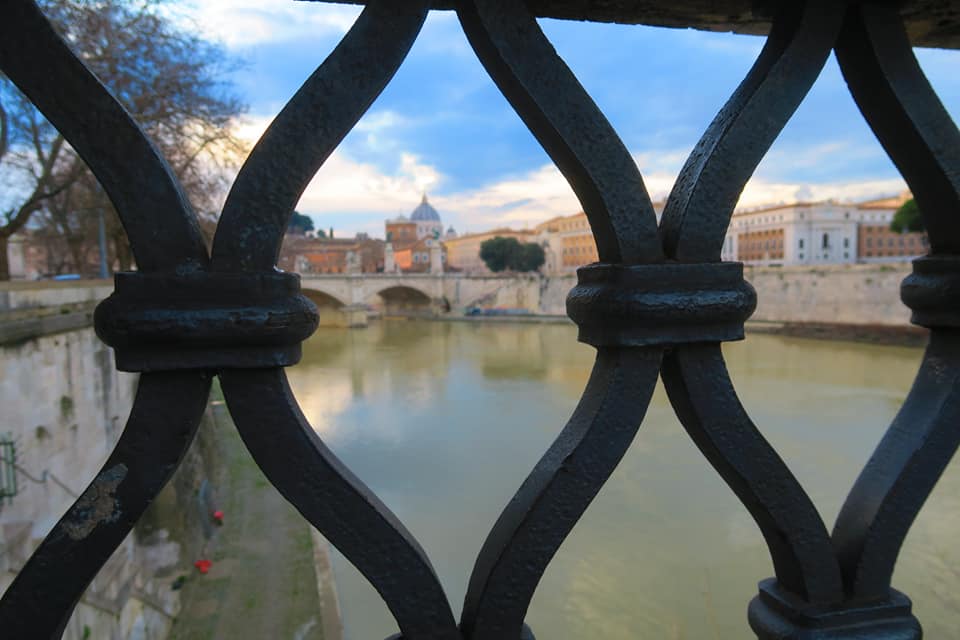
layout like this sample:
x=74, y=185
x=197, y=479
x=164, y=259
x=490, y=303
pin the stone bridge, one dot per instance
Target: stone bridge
x=354, y=295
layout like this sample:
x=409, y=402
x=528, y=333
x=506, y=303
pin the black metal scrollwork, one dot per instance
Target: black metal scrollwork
x=165, y=238
x=659, y=303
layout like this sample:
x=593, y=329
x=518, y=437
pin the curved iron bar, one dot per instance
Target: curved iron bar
x=162, y=424
x=569, y=126
x=588, y=152
x=307, y=131
x=906, y=115
x=328, y=495
x=702, y=201
x=694, y=224
x=164, y=237
x=248, y=238
x=909, y=120
x=901, y=473
x=155, y=213
x=700, y=390
x=557, y=492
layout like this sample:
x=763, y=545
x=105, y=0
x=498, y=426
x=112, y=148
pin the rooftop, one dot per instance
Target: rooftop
x=425, y=212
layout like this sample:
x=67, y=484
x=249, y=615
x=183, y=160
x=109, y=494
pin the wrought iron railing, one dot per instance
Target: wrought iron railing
x=659, y=303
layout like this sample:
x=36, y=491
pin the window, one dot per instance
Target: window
x=869, y=242
x=801, y=256
x=826, y=241
x=845, y=255
x=846, y=243
x=801, y=245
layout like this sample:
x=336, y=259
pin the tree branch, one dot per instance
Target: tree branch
x=4, y=131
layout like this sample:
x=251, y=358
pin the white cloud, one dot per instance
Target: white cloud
x=345, y=186
x=761, y=192
x=378, y=121
x=521, y=201
x=240, y=23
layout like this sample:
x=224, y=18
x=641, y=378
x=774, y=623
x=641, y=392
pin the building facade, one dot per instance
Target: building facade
x=568, y=242
x=421, y=256
x=415, y=244
x=821, y=233
x=325, y=255
x=401, y=230
x=463, y=252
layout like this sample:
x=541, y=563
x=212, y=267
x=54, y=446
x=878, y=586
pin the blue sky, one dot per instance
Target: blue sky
x=442, y=126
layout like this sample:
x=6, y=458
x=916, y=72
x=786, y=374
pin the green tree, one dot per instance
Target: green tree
x=497, y=252
x=300, y=224
x=530, y=258
x=169, y=79
x=907, y=218
x=509, y=254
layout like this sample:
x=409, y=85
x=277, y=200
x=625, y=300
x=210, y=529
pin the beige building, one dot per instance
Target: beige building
x=814, y=233
x=463, y=252
x=569, y=243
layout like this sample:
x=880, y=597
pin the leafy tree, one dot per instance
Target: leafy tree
x=907, y=218
x=496, y=252
x=502, y=254
x=169, y=79
x=530, y=258
x=300, y=224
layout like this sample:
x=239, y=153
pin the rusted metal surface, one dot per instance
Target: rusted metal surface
x=659, y=304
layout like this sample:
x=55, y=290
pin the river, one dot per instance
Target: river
x=444, y=421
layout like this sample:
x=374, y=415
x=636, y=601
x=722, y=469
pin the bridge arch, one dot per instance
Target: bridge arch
x=322, y=298
x=404, y=299
x=329, y=306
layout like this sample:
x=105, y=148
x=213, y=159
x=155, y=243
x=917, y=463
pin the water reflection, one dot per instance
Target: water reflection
x=445, y=420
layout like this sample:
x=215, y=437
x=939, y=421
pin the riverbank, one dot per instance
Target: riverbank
x=894, y=335
x=263, y=581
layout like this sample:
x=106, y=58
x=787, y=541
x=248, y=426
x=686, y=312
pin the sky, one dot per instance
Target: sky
x=441, y=127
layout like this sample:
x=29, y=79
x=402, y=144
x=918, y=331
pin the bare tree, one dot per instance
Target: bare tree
x=169, y=79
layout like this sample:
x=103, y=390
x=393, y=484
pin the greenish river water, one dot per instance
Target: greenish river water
x=444, y=421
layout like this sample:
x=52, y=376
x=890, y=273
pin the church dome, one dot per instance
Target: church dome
x=424, y=212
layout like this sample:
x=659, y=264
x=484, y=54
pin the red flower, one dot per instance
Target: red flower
x=218, y=517
x=203, y=565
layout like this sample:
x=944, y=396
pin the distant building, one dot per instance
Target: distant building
x=325, y=255
x=463, y=252
x=34, y=254
x=569, y=243
x=411, y=240
x=821, y=233
x=547, y=235
x=427, y=220
x=416, y=257
x=401, y=230
x=877, y=242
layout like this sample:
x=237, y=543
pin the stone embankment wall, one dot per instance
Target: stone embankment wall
x=65, y=405
x=862, y=294
x=867, y=294
x=34, y=309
